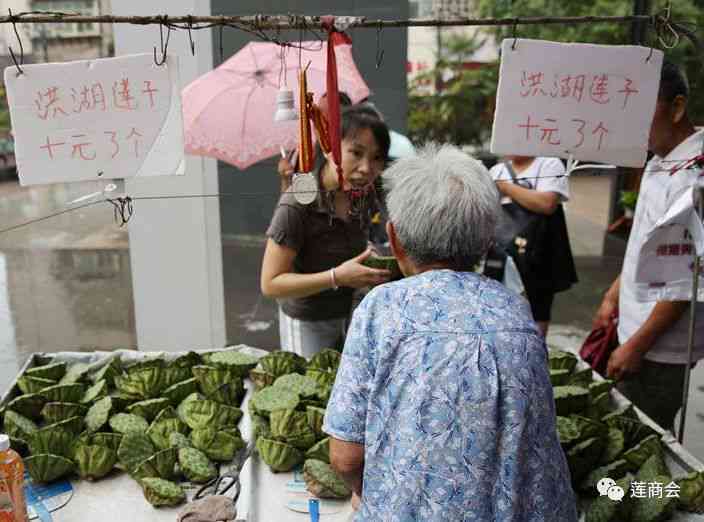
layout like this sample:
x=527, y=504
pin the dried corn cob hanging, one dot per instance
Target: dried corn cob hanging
x=305, y=137
x=304, y=183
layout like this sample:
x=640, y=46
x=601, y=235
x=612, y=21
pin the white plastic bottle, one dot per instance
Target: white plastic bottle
x=13, y=507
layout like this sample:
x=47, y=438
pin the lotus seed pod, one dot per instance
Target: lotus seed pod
x=28, y=405
x=76, y=373
x=95, y=392
x=29, y=384
x=126, y=423
x=176, y=393
x=297, y=384
x=64, y=393
x=159, y=465
x=45, y=468
x=279, y=456
x=320, y=451
x=94, y=462
x=53, y=441
x=195, y=465
x=326, y=360
x=134, y=449
x=322, y=481
x=149, y=408
x=160, y=492
x=18, y=426
x=98, y=414
x=263, y=402
x=54, y=371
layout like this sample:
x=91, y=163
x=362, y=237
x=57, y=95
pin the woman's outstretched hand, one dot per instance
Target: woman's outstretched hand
x=354, y=274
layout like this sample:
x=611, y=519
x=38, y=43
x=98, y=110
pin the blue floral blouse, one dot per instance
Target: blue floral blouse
x=444, y=380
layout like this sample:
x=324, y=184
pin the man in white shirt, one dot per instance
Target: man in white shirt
x=651, y=359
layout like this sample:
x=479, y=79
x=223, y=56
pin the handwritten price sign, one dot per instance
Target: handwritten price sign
x=109, y=118
x=594, y=102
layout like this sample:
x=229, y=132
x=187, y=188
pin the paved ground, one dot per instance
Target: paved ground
x=65, y=284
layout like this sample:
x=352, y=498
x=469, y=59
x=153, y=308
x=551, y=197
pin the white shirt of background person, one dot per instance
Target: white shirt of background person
x=543, y=175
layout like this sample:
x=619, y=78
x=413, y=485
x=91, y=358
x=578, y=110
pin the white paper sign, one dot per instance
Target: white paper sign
x=595, y=102
x=104, y=118
x=666, y=259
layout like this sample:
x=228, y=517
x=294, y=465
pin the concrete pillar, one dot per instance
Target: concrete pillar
x=175, y=247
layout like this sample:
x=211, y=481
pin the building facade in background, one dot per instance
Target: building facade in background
x=425, y=44
x=71, y=41
x=43, y=43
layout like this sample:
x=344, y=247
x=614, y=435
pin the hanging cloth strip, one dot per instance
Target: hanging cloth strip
x=335, y=37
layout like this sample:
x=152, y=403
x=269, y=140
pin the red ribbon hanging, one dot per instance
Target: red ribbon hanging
x=335, y=37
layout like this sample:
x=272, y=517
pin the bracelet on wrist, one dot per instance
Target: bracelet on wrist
x=333, y=280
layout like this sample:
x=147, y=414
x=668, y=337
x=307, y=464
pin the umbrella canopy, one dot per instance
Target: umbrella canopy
x=228, y=112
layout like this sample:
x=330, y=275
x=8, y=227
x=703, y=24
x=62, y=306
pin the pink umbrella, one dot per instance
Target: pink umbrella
x=228, y=113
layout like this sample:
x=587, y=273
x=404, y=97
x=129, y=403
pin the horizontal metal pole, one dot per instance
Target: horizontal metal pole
x=280, y=22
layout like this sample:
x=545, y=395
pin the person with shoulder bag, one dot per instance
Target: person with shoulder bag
x=533, y=228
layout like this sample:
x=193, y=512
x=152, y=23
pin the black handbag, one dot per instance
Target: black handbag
x=521, y=232
x=539, y=245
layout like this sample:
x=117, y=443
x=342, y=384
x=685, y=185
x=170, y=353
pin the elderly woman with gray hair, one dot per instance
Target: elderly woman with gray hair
x=442, y=408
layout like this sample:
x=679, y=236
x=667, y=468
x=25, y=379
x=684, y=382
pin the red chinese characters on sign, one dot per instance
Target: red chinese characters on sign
x=600, y=131
x=599, y=89
x=548, y=131
x=114, y=143
x=135, y=135
x=49, y=146
x=575, y=87
x=627, y=91
x=84, y=149
x=528, y=126
x=572, y=87
x=675, y=250
x=49, y=104
x=89, y=98
x=53, y=102
x=120, y=96
x=532, y=84
x=150, y=91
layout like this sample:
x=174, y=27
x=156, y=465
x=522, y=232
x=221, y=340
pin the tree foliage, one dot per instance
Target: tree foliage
x=4, y=111
x=689, y=12
x=461, y=112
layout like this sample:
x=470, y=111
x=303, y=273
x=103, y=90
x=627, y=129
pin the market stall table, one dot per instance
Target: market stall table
x=116, y=497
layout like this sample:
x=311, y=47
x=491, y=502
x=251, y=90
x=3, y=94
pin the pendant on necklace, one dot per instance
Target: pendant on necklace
x=305, y=188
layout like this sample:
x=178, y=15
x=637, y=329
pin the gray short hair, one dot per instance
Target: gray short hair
x=444, y=206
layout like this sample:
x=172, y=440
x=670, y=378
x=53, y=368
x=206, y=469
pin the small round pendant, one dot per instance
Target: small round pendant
x=305, y=188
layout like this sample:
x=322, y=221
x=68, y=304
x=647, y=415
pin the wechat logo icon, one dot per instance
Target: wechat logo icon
x=607, y=487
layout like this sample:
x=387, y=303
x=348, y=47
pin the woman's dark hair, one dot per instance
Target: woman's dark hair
x=357, y=118
x=673, y=81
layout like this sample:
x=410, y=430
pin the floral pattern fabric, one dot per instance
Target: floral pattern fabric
x=444, y=380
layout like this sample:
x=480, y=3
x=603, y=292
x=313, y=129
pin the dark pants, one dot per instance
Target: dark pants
x=656, y=390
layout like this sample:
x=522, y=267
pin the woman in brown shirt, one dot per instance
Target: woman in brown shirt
x=314, y=254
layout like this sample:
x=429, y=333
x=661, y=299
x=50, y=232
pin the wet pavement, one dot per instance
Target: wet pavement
x=65, y=284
